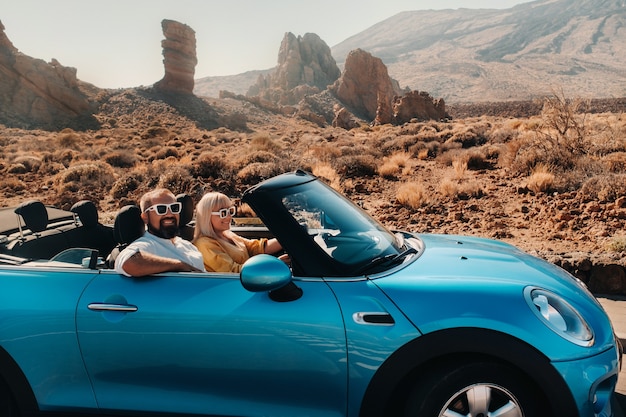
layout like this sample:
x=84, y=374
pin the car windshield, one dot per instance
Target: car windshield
x=340, y=228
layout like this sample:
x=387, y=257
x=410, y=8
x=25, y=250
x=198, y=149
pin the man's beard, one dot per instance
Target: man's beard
x=165, y=232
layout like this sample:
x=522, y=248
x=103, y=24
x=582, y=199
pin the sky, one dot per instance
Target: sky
x=117, y=43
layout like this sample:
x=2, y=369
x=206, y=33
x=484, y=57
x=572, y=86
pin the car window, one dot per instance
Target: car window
x=341, y=229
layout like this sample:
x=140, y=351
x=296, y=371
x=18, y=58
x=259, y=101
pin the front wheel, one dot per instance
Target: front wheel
x=7, y=404
x=478, y=389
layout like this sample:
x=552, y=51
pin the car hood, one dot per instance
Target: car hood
x=462, y=281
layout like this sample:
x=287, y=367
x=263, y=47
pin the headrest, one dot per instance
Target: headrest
x=87, y=212
x=186, y=214
x=128, y=224
x=34, y=214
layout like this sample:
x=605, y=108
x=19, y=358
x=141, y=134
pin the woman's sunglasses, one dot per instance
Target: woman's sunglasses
x=161, y=209
x=230, y=211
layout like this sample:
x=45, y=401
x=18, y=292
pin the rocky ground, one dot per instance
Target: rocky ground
x=167, y=143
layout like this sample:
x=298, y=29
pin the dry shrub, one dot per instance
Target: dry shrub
x=258, y=171
x=325, y=153
x=68, y=139
x=94, y=172
x=459, y=166
x=263, y=142
x=327, y=173
x=208, y=165
x=256, y=156
x=354, y=166
x=616, y=162
x=412, y=194
x=126, y=185
x=448, y=188
x=470, y=189
x=541, y=180
x=617, y=244
x=176, y=178
x=30, y=163
x=604, y=188
x=120, y=159
x=393, y=164
x=12, y=185
x=166, y=152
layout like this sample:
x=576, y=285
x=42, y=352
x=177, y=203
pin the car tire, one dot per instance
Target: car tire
x=7, y=403
x=476, y=389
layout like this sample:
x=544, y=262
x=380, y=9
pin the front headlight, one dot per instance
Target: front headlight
x=559, y=316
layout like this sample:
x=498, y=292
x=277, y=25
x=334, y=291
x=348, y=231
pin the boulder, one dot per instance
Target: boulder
x=179, y=58
x=37, y=94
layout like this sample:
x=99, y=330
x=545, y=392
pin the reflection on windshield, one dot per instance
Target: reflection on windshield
x=340, y=228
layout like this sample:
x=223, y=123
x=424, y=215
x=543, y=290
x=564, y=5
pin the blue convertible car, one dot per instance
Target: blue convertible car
x=367, y=322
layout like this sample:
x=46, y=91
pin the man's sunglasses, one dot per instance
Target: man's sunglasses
x=161, y=209
x=225, y=212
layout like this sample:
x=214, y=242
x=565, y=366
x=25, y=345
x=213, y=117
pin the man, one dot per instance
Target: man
x=160, y=249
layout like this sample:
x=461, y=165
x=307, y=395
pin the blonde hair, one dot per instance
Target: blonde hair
x=208, y=203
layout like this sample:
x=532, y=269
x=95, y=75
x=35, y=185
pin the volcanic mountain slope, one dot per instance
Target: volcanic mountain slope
x=518, y=53
x=478, y=55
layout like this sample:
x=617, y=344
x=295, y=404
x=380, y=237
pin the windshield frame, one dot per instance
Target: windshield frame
x=324, y=233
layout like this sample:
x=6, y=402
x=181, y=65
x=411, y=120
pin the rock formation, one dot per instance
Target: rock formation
x=179, y=58
x=305, y=67
x=365, y=85
x=418, y=105
x=36, y=94
x=367, y=90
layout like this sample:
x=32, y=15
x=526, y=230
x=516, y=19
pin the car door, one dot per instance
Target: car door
x=201, y=343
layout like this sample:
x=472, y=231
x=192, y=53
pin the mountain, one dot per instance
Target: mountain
x=475, y=55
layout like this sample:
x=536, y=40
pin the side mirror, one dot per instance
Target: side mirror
x=264, y=273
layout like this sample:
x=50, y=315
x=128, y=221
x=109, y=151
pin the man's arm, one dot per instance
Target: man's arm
x=142, y=263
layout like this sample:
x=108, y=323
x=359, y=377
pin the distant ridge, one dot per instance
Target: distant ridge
x=482, y=55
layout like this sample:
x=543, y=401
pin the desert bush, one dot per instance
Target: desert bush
x=617, y=244
x=126, y=185
x=616, y=162
x=176, y=178
x=89, y=173
x=166, y=152
x=448, y=187
x=604, y=188
x=327, y=173
x=11, y=185
x=541, y=180
x=325, y=152
x=259, y=171
x=353, y=166
x=412, y=194
x=120, y=159
x=208, y=165
x=30, y=163
x=263, y=142
x=256, y=156
x=68, y=139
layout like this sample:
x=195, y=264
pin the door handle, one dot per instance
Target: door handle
x=126, y=308
x=375, y=318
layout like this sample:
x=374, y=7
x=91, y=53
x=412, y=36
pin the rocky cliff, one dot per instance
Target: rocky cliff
x=39, y=94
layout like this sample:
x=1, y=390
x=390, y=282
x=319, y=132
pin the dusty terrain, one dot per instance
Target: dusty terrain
x=497, y=176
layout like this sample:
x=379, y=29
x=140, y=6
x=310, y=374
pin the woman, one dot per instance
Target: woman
x=221, y=248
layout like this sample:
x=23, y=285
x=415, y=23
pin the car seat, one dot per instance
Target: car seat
x=128, y=227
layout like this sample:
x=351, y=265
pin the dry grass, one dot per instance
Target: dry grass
x=541, y=180
x=413, y=195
